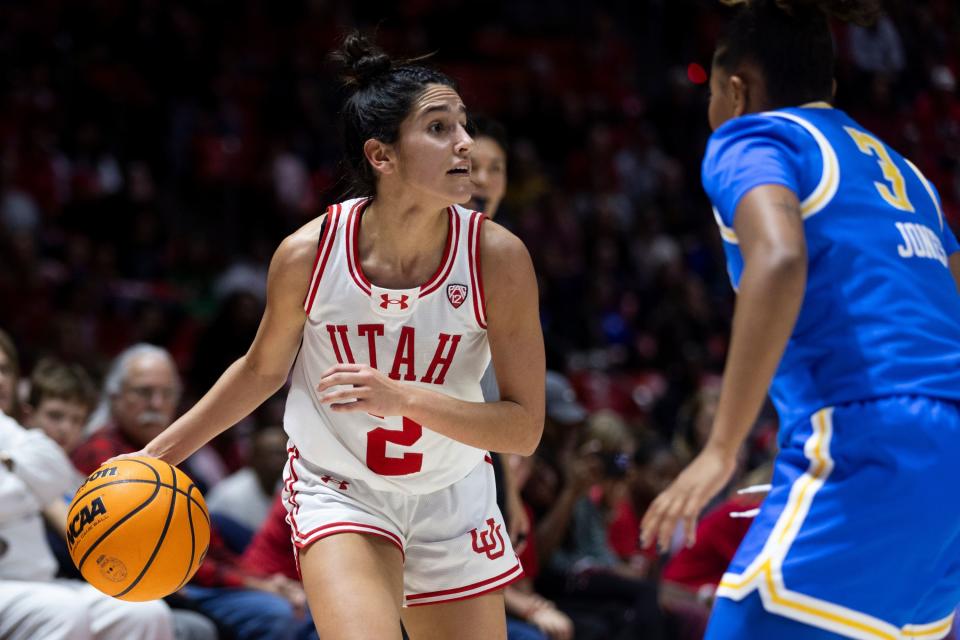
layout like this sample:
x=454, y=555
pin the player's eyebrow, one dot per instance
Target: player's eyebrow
x=441, y=107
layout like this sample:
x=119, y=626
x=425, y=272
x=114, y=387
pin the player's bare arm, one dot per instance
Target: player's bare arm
x=261, y=371
x=512, y=425
x=769, y=226
x=954, y=262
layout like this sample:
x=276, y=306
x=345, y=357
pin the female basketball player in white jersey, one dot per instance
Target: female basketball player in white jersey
x=388, y=308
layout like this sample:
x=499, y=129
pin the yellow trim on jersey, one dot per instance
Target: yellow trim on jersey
x=765, y=573
x=929, y=188
x=830, y=176
x=819, y=104
x=726, y=232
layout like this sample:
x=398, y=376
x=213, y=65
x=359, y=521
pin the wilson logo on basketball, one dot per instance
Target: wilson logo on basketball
x=456, y=294
x=490, y=541
x=100, y=473
x=386, y=301
x=87, y=515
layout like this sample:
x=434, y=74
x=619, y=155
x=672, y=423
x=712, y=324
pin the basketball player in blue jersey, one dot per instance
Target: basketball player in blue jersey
x=848, y=310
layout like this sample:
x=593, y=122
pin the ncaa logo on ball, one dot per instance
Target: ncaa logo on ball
x=83, y=518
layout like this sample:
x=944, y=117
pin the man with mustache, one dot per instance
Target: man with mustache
x=139, y=400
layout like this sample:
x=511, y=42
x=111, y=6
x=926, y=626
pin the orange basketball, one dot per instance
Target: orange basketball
x=138, y=529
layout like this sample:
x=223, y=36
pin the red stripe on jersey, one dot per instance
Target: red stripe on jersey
x=348, y=527
x=487, y=458
x=316, y=260
x=449, y=255
x=288, y=486
x=476, y=278
x=505, y=576
x=501, y=585
x=325, y=247
x=353, y=248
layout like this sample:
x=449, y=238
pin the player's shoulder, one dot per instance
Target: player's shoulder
x=755, y=137
x=299, y=249
x=782, y=127
x=500, y=244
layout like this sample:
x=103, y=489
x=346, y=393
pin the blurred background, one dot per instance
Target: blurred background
x=154, y=153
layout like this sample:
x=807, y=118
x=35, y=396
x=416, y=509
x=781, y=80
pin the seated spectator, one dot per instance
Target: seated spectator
x=9, y=376
x=530, y=616
x=653, y=468
x=579, y=570
x=250, y=605
x=139, y=400
x=34, y=472
x=246, y=495
x=59, y=401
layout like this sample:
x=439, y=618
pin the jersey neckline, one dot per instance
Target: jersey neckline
x=353, y=252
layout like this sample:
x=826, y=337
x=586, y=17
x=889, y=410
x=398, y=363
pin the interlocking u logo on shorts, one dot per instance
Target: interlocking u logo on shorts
x=489, y=541
x=386, y=301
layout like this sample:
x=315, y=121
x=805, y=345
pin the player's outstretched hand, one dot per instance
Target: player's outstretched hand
x=363, y=388
x=686, y=497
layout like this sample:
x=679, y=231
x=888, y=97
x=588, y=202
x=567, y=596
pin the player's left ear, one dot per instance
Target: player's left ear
x=739, y=95
x=380, y=156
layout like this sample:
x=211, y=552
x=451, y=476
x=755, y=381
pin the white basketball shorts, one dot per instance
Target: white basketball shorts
x=454, y=541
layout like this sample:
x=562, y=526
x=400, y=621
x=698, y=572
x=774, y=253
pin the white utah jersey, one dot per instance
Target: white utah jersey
x=433, y=336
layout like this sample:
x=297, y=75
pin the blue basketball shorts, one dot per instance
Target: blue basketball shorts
x=860, y=534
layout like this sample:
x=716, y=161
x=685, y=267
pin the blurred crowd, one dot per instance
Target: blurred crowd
x=153, y=154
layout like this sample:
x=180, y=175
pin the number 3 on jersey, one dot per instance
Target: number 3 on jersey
x=377, y=459
x=895, y=191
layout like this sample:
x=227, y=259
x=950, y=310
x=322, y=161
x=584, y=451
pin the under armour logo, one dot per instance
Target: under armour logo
x=341, y=484
x=490, y=541
x=386, y=301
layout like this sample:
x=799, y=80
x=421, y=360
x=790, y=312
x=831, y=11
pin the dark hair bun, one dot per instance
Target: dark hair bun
x=862, y=12
x=361, y=60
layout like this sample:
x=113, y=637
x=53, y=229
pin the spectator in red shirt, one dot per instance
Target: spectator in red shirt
x=140, y=397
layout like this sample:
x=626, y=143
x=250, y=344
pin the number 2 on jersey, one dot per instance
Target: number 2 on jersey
x=895, y=191
x=377, y=459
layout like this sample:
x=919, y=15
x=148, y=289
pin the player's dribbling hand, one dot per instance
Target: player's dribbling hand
x=364, y=389
x=123, y=456
x=686, y=497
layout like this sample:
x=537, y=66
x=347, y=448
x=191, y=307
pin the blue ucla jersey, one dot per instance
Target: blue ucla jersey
x=881, y=313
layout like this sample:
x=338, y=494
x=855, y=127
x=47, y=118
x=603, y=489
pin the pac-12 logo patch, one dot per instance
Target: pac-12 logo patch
x=456, y=294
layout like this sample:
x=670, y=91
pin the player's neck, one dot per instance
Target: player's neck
x=401, y=242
